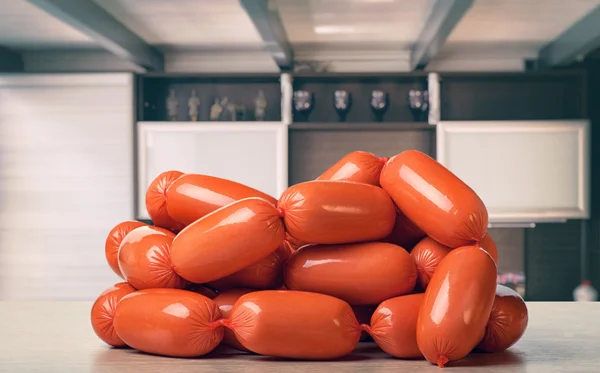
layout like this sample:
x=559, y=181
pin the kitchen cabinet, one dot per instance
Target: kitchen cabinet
x=524, y=171
x=251, y=153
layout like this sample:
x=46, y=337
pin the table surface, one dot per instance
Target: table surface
x=57, y=337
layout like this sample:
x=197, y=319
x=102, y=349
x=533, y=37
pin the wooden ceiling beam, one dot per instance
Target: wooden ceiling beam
x=267, y=21
x=443, y=18
x=573, y=44
x=95, y=22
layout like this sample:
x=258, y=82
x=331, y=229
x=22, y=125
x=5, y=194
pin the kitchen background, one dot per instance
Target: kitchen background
x=95, y=101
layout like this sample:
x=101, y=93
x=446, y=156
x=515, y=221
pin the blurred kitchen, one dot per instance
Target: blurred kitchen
x=97, y=97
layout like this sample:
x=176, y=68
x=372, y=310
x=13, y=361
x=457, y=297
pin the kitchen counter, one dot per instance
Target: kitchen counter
x=57, y=337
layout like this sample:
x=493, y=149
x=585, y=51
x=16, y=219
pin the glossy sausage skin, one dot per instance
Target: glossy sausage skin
x=156, y=201
x=145, y=259
x=113, y=241
x=457, y=305
x=194, y=196
x=358, y=166
x=488, y=244
x=428, y=254
x=507, y=323
x=360, y=274
x=294, y=243
x=394, y=326
x=266, y=274
x=335, y=212
x=405, y=233
x=295, y=324
x=103, y=312
x=169, y=322
x=437, y=201
x=227, y=240
x=225, y=302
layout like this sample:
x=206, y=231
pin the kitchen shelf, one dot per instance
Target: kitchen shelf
x=366, y=126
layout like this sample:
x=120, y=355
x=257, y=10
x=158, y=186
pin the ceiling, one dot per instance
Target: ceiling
x=187, y=24
x=520, y=25
x=394, y=22
x=353, y=34
x=23, y=27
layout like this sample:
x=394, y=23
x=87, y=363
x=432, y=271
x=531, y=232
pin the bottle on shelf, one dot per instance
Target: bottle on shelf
x=585, y=292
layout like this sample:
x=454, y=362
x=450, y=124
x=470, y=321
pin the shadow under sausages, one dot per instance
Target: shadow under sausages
x=347, y=358
x=480, y=359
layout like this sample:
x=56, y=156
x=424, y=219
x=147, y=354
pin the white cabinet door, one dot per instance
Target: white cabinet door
x=66, y=178
x=524, y=171
x=251, y=153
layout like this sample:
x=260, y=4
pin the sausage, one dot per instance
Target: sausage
x=335, y=212
x=202, y=289
x=428, y=254
x=360, y=274
x=358, y=166
x=457, y=305
x=363, y=316
x=266, y=274
x=227, y=240
x=193, y=196
x=103, y=312
x=294, y=243
x=394, y=326
x=225, y=302
x=437, y=201
x=405, y=233
x=488, y=244
x=169, y=322
x=145, y=259
x=156, y=201
x=113, y=241
x=507, y=323
x=295, y=324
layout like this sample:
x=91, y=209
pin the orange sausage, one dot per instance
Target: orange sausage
x=437, y=201
x=225, y=302
x=201, y=289
x=169, y=322
x=490, y=246
x=333, y=212
x=193, y=196
x=103, y=312
x=294, y=243
x=145, y=259
x=113, y=241
x=363, y=316
x=394, y=326
x=428, y=254
x=457, y=305
x=360, y=274
x=156, y=201
x=266, y=274
x=295, y=324
x=227, y=240
x=507, y=323
x=358, y=166
x=405, y=233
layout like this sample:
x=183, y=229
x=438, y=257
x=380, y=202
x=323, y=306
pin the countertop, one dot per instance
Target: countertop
x=57, y=337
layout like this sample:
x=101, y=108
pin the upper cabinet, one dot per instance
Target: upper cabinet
x=168, y=97
x=520, y=140
x=524, y=171
x=229, y=127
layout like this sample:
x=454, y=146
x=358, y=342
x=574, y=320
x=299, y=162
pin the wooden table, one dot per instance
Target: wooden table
x=57, y=337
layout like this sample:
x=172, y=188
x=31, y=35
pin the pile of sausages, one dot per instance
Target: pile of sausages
x=393, y=249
